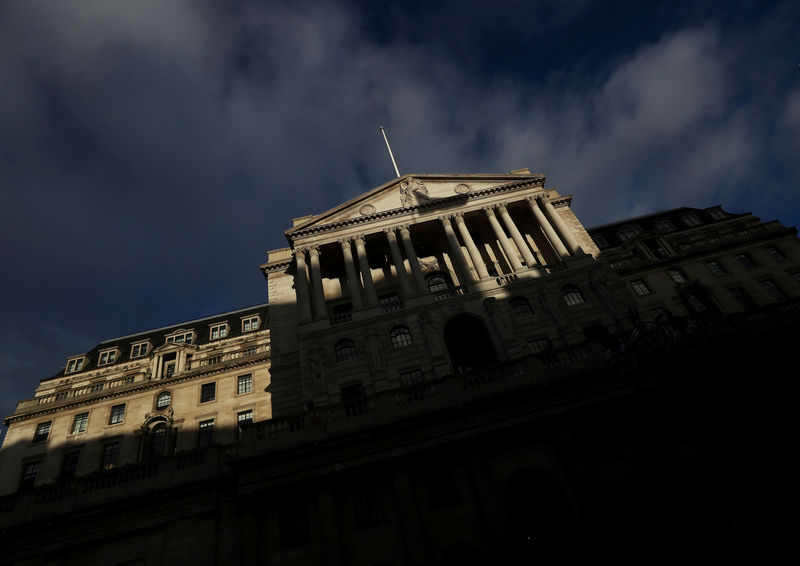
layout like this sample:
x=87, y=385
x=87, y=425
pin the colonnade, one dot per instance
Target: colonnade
x=308, y=278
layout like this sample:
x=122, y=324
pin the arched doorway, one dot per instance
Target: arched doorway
x=469, y=343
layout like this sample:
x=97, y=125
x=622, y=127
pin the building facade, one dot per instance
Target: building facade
x=453, y=371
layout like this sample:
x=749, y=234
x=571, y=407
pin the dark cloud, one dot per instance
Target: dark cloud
x=151, y=152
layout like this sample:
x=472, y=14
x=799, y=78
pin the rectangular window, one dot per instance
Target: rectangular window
x=69, y=465
x=539, y=345
x=411, y=377
x=369, y=507
x=600, y=240
x=97, y=387
x=107, y=357
x=640, y=287
x=742, y=296
x=716, y=268
x=629, y=233
x=796, y=275
x=677, y=275
x=691, y=220
x=42, y=431
x=773, y=289
x=250, y=324
x=29, y=475
x=80, y=422
x=245, y=384
x=139, y=350
x=746, y=260
x=110, y=454
x=180, y=338
x=219, y=331
x=293, y=525
x=664, y=226
x=243, y=418
x=117, y=414
x=208, y=392
x=717, y=214
x=74, y=365
x=775, y=252
x=205, y=433
x=61, y=395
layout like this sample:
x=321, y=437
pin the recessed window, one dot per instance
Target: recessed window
x=42, y=431
x=629, y=233
x=244, y=384
x=107, y=357
x=75, y=365
x=716, y=268
x=775, y=252
x=345, y=350
x=390, y=302
x=572, y=295
x=697, y=303
x=691, y=220
x=539, y=345
x=208, y=392
x=79, y=423
x=410, y=377
x=400, y=337
x=163, y=400
x=742, y=297
x=717, y=214
x=110, y=454
x=117, y=414
x=773, y=289
x=69, y=465
x=250, y=324
x=293, y=530
x=746, y=260
x=205, y=433
x=600, y=240
x=61, y=395
x=29, y=474
x=369, y=508
x=520, y=307
x=677, y=275
x=640, y=287
x=97, y=387
x=664, y=226
x=185, y=337
x=219, y=331
x=139, y=350
x=243, y=418
x=438, y=282
x=796, y=275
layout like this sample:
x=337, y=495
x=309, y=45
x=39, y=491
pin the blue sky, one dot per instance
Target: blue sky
x=151, y=152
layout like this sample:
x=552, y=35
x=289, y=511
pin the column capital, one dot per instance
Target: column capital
x=458, y=217
x=300, y=253
x=489, y=209
x=543, y=196
x=313, y=251
x=502, y=208
x=404, y=230
x=390, y=233
x=345, y=242
x=359, y=240
x=445, y=219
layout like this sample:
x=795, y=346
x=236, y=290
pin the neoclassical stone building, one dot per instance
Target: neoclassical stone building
x=451, y=370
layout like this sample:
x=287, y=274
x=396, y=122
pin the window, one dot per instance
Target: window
x=796, y=275
x=110, y=453
x=293, y=524
x=369, y=508
x=572, y=295
x=677, y=275
x=219, y=331
x=181, y=338
x=664, y=225
x=250, y=324
x=107, y=357
x=775, y=252
x=75, y=365
x=640, y=287
x=746, y=260
x=61, y=395
x=629, y=233
x=129, y=379
x=80, y=422
x=717, y=214
x=117, y=414
x=539, y=345
x=438, y=282
x=410, y=377
x=245, y=384
x=205, y=433
x=520, y=307
x=69, y=464
x=390, y=302
x=600, y=240
x=773, y=289
x=691, y=220
x=42, y=431
x=742, y=296
x=139, y=350
x=97, y=387
x=401, y=337
x=208, y=392
x=697, y=303
x=243, y=418
x=29, y=475
x=345, y=350
x=716, y=268
x=163, y=400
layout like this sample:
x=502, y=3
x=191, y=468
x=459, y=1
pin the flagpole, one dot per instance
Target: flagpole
x=396, y=170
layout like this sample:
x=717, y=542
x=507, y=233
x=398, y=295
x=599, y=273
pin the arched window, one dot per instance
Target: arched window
x=163, y=400
x=345, y=350
x=520, y=307
x=572, y=295
x=401, y=337
x=158, y=441
x=438, y=281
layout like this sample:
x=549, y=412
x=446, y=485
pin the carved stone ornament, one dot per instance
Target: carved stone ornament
x=412, y=189
x=462, y=189
x=366, y=210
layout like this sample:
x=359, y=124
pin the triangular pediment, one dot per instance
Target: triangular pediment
x=409, y=192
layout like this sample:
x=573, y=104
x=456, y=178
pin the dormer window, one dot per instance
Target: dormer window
x=251, y=323
x=691, y=220
x=108, y=357
x=600, y=240
x=75, y=364
x=664, y=226
x=219, y=331
x=140, y=349
x=629, y=232
x=183, y=337
x=717, y=214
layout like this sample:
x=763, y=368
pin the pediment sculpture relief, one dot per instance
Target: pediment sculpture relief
x=413, y=191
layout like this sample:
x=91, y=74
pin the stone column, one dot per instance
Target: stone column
x=405, y=234
x=566, y=234
x=317, y=292
x=465, y=273
x=518, y=239
x=477, y=260
x=399, y=264
x=366, y=274
x=352, y=278
x=301, y=284
x=516, y=265
x=555, y=241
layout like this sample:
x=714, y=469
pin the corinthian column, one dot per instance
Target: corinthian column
x=301, y=284
x=350, y=269
x=366, y=274
x=511, y=253
x=412, y=259
x=477, y=260
x=518, y=239
x=465, y=274
x=399, y=264
x=552, y=237
x=317, y=292
x=561, y=226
